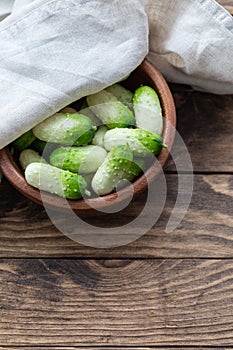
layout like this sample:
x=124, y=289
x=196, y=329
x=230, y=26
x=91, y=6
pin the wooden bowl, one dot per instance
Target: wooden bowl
x=145, y=74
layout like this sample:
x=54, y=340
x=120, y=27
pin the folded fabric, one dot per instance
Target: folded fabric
x=191, y=42
x=5, y=8
x=56, y=51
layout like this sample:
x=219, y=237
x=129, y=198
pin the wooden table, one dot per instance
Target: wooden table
x=166, y=290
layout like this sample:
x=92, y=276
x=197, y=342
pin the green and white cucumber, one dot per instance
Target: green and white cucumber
x=43, y=148
x=122, y=94
x=110, y=110
x=68, y=110
x=136, y=167
x=29, y=156
x=68, y=129
x=141, y=142
x=147, y=109
x=98, y=139
x=86, y=159
x=63, y=183
x=86, y=110
x=117, y=166
x=24, y=141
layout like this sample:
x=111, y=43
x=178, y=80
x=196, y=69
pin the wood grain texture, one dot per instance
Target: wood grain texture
x=89, y=348
x=93, y=348
x=206, y=231
x=228, y=4
x=116, y=302
x=111, y=348
x=184, y=304
x=205, y=123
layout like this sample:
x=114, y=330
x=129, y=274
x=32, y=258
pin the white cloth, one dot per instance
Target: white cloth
x=56, y=51
x=53, y=52
x=5, y=8
x=191, y=42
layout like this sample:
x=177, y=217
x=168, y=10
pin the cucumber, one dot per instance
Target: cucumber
x=68, y=129
x=29, y=156
x=24, y=141
x=147, y=109
x=122, y=94
x=141, y=142
x=85, y=110
x=135, y=169
x=98, y=139
x=43, y=146
x=38, y=145
x=63, y=183
x=68, y=110
x=117, y=166
x=88, y=178
x=110, y=110
x=86, y=159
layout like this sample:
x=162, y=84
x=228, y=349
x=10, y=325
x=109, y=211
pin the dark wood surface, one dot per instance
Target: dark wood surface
x=166, y=290
x=116, y=302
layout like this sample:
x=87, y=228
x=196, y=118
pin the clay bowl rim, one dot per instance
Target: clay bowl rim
x=15, y=176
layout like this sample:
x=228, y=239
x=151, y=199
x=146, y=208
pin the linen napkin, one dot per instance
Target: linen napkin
x=56, y=51
x=191, y=42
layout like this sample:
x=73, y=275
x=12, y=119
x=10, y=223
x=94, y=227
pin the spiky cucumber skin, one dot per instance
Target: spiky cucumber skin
x=141, y=142
x=24, y=141
x=48, y=178
x=86, y=110
x=86, y=159
x=110, y=110
x=98, y=139
x=117, y=166
x=68, y=129
x=147, y=109
x=28, y=156
x=124, y=95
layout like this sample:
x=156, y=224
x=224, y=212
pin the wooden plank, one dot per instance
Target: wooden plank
x=206, y=231
x=228, y=4
x=110, y=348
x=205, y=123
x=92, y=348
x=116, y=302
x=89, y=348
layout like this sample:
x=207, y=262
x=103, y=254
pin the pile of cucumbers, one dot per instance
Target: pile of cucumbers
x=93, y=151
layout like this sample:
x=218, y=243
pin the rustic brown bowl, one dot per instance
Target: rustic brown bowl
x=145, y=74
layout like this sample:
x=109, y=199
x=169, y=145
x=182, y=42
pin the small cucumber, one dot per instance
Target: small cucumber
x=69, y=110
x=135, y=169
x=68, y=129
x=43, y=147
x=86, y=110
x=86, y=159
x=98, y=139
x=110, y=110
x=116, y=167
x=38, y=145
x=147, y=109
x=122, y=94
x=63, y=183
x=88, y=178
x=24, y=141
x=29, y=156
x=141, y=142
